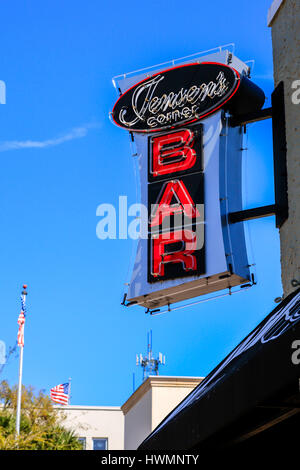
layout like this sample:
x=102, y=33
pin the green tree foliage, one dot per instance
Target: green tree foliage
x=41, y=425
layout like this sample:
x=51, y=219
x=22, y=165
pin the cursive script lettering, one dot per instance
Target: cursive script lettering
x=171, y=107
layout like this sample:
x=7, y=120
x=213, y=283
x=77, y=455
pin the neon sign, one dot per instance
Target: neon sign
x=189, y=160
x=175, y=204
x=176, y=96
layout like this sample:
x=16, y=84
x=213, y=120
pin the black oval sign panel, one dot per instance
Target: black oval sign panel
x=176, y=96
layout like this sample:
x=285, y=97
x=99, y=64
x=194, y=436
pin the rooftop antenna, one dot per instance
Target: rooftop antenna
x=148, y=362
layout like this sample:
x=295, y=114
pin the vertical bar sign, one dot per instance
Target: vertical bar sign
x=176, y=204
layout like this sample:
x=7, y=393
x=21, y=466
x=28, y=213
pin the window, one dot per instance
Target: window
x=83, y=442
x=100, y=444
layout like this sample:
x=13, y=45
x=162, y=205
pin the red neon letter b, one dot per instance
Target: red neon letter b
x=172, y=152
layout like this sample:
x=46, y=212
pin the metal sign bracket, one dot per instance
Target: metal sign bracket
x=277, y=114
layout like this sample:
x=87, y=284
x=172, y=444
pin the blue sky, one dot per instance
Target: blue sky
x=61, y=157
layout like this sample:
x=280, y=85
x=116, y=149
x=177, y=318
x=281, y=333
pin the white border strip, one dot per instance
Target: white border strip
x=273, y=10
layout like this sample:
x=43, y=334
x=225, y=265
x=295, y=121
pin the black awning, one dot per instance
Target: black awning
x=255, y=387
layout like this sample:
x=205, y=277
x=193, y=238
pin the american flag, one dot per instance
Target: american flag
x=60, y=394
x=21, y=323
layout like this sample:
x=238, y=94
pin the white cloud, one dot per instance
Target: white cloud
x=75, y=133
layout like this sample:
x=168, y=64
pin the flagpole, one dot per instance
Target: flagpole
x=69, y=391
x=24, y=293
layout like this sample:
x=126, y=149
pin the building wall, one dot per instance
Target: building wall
x=151, y=403
x=138, y=421
x=96, y=422
x=284, y=18
x=166, y=398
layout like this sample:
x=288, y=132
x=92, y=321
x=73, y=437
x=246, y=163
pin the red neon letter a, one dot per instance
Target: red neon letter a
x=164, y=208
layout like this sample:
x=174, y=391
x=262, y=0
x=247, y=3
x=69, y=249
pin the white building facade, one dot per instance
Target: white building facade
x=98, y=427
x=125, y=427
